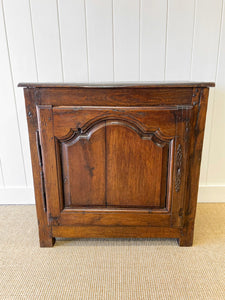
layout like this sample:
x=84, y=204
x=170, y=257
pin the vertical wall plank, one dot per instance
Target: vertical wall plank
x=105, y=40
x=99, y=39
x=126, y=39
x=47, y=40
x=204, y=61
x=153, y=24
x=206, y=38
x=10, y=150
x=216, y=168
x=22, y=57
x=1, y=175
x=179, y=39
x=73, y=38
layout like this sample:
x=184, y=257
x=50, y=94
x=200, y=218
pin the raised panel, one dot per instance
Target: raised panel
x=113, y=163
x=148, y=119
x=112, y=160
x=135, y=168
x=83, y=170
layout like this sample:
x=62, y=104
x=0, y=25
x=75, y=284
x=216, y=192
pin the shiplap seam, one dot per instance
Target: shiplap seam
x=60, y=40
x=1, y=174
x=193, y=39
x=139, y=54
x=166, y=37
x=86, y=38
x=113, y=43
x=33, y=40
x=14, y=94
x=140, y=37
x=214, y=94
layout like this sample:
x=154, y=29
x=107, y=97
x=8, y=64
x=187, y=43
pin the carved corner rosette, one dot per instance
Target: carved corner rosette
x=179, y=158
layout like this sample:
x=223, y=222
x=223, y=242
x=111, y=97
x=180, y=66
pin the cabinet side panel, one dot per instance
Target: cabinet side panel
x=195, y=153
x=45, y=234
x=50, y=168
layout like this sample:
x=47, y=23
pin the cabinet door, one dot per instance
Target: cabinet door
x=114, y=166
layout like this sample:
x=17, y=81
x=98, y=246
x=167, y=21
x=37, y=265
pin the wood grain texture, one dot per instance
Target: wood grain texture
x=134, y=169
x=116, y=167
x=118, y=163
x=115, y=232
x=145, y=119
x=45, y=125
x=193, y=172
x=116, y=97
x=45, y=233
x=83, y=162
x=132, y=84
x=114, y=217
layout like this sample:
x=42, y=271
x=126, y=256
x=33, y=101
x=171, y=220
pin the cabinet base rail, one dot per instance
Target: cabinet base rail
x=115, y=232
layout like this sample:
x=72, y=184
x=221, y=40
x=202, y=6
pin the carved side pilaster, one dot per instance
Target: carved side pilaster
x=179, y=158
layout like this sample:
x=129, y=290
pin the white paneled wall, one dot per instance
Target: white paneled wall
x=108, y=40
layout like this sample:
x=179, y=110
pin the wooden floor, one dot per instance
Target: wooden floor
x=111, y=269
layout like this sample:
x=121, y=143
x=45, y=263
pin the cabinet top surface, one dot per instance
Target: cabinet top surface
x=149, y=84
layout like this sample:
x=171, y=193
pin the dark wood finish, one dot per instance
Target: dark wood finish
x=118, y=160
x=131, y=85
x=45, y=231
x=115, y=232
x=83, y=164
x=132, y=179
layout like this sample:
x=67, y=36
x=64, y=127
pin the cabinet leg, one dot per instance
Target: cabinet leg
x=186, y=238
x=46, y=240
x=184, y=242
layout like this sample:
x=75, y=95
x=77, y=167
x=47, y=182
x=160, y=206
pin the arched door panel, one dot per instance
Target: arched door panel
x=114, y=166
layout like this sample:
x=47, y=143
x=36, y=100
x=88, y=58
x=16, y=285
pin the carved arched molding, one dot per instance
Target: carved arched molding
x=74, y=135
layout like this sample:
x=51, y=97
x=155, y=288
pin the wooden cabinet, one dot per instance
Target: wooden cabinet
x=118, y=160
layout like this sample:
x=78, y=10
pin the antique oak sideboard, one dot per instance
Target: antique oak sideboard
x=118, y=160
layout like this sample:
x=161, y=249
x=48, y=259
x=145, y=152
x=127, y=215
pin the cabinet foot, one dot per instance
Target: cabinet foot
x=47, y=242
x=183, y=242
x=186, y=240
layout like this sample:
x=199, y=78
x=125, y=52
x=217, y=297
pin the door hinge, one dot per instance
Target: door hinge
x=43, y=193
